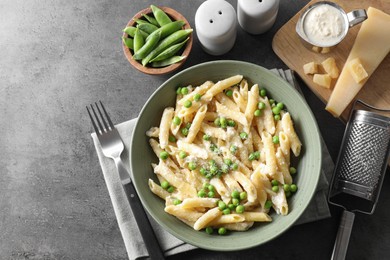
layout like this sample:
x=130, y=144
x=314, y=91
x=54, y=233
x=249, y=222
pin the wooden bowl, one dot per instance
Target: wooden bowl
x=174, y=15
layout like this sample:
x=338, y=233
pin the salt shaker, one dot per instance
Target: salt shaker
x=257, y=16
x=216, y=26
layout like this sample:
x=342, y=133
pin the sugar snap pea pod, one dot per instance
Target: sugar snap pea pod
x=169, y=28
x=139, y=40
x=168, y=61
x=147, y=47
x=170, y=51
x=147, y=27
x=141, y=21
x=151, y=20
x=130, y=30
x=175, y=37
x=161, y=17
x=128, y=42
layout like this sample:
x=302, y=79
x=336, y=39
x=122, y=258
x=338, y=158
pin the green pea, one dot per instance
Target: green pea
x=182, y=154
x=151, y=19
x=203, y=171
x=228, y=161
x=212, y=162
x=293, y=188
x=205, y=185
x=231, y=123
x=235, y=201
x=263, y=92
x=233, y=149
x=139, y=40
x=197, y=97
x=171, y=189
x=257, y=112
x=169, y=52
x=243, y=195
x=146, y=27
x=271, y=101
x=243, y=135
x=164, y=155
x=206, y=137
x=147, y=47
x=187, y=104
x=274, y=182
x=226, y=211
x=231, y=206
x=252, y=157
x=161, y=17
x=176, y=120
x=235, y=194
x=201, y=194
x=275, y=139
x=293, y=170
x=211, y=194
x=192, y=166
x=184, y=131
x=240, y=209
x=235, y=166
x=280, y=105
x=229, y=93
x=261, y=105
x=257, y=155
x=221, y=205
x=169, y=28
x=223, y=122
x=277, y=117
x=165, y=185
x=217, y=121
x=211, y=187
x=168, y=61
x=286, y=187
x=188, y=125
x=268, y=204
x=209, y=230
x=222, y=231
x=275, y=188
x=175, y=37
x=176, y=202
x=129, y=42
x=172, y=139
x=276, y=110
x=287, y=194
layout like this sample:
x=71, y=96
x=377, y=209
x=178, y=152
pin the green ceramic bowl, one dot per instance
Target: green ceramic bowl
x=308, y=167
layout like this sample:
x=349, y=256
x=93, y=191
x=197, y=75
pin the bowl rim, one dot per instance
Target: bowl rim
x=164, y=70
x=298, y=211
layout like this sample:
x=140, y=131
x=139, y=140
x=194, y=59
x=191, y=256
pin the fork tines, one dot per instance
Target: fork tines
x=99, y=121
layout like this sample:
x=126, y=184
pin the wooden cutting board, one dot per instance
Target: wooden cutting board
x=287, y=45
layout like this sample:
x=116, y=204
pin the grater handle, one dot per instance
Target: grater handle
x=343, y=235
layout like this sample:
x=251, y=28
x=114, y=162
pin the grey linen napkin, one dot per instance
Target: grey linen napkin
x=318, y=208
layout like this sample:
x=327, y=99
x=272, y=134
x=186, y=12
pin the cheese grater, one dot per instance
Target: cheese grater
x=360, y=170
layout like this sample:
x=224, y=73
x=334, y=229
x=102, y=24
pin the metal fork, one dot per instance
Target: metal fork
x=112, y=147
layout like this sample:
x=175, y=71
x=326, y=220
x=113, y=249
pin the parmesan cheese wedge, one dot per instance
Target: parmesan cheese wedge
x=371, y=46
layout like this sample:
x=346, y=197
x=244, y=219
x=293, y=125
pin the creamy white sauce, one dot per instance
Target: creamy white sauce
x=324, y=25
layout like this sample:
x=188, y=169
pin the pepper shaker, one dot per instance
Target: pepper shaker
x=216, y=26
x=257, y=16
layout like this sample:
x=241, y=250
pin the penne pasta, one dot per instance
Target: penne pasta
x=220, y=163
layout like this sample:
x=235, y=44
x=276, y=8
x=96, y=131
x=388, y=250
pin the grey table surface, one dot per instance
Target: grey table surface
x=58, y=56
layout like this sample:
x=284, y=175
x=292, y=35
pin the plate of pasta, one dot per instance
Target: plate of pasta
x=225, y=155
